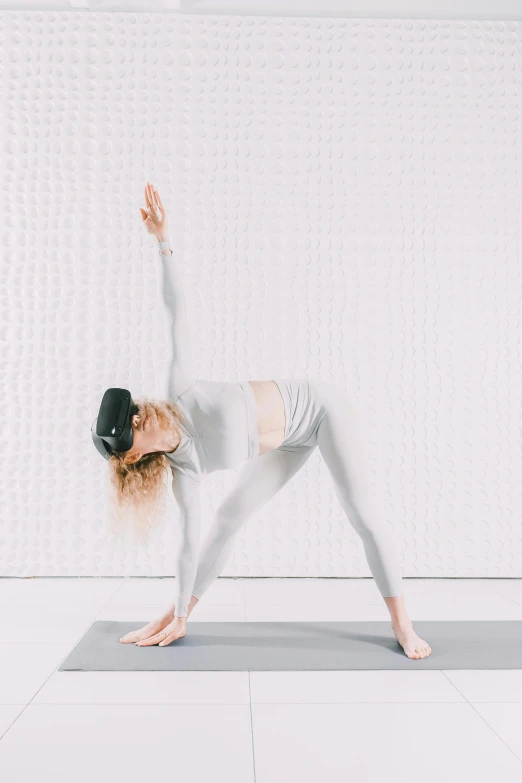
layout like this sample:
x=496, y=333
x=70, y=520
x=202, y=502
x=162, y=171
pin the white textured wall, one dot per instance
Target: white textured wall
x=345, y=200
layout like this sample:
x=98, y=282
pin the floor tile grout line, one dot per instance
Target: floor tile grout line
x=237, y=704
x=243, y=592
x=60, y=662
x=251, y=727
x=244, y=704
x=514, y=600
x=481, y=716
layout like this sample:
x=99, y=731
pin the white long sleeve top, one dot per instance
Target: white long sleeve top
x=219, y=431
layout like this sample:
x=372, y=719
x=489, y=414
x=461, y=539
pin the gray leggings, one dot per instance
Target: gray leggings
x=318, y=413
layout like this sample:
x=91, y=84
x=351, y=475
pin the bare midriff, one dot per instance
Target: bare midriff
x=270, y=415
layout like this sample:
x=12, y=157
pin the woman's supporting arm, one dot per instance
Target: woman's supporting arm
x=187, y=493
x=181, y=371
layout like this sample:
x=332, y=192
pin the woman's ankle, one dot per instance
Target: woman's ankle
x=397, y=609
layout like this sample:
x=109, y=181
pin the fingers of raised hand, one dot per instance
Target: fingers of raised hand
x=154, y=213
x=152, y=199
x=152, y=196
x=148, y=199
x=157, y=199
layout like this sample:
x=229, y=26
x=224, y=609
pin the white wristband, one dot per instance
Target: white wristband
x=162, y=245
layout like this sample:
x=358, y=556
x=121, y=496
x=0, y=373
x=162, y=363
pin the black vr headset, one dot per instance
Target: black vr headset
x=112, y=429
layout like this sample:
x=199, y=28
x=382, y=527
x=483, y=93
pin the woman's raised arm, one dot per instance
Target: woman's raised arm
x=181, y=372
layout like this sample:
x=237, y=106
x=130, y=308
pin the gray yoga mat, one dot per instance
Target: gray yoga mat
x=300, y=646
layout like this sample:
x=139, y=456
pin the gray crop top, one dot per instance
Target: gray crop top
x=219, y=430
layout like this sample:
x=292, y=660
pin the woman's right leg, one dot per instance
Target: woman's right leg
x=344, y=453
x=259, y=480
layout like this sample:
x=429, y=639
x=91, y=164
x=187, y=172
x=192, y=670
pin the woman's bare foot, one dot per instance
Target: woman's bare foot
x=413, y=645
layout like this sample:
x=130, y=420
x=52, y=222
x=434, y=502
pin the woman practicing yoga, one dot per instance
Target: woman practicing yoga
x=273, y=427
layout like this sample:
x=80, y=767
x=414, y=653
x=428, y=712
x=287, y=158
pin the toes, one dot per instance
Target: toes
x=417, y=652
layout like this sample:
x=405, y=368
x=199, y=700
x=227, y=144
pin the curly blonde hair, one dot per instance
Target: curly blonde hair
x=138, y=491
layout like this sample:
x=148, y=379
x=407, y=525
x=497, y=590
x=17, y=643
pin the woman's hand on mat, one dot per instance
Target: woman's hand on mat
x=174, y=630
x=154, y=217
x=152, y=628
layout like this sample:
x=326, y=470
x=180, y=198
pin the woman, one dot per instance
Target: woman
x=271, y=426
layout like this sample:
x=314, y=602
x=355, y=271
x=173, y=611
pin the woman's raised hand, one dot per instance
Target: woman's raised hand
x=154, y=216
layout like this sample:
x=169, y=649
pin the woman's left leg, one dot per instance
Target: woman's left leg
x=259, y=480
x=344, y=454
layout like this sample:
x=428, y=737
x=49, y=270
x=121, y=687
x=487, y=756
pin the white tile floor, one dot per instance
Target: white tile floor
x=257, y=727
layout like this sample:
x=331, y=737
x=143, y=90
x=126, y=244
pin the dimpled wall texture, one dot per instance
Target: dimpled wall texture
x=344, y=198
